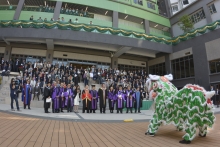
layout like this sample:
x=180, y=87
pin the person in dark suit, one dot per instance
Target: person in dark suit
x=102, y=94
x=16, y=65
x=37, y=90
x=47, y=95
x=14, y=96
x=217, y=97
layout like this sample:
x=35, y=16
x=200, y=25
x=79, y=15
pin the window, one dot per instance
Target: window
x=158, y=69
x=212, y=9
x=175, y=8
x=185, y=2
x=214, y=66
x=183, y=67
x=150, y=5
x=198, y=16
x=138, y=2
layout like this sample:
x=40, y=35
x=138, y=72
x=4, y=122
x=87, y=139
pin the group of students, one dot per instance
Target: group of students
x=64, y=97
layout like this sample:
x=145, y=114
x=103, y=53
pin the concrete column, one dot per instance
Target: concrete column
x=201, y=67
x=168, y=7
x=147, y=26
x=7, y=54
x=167, y=64
x=114, y=63
x=56, y=13
x=207, y=14
x=49, y=56
x=18, y=9
x=115, y=19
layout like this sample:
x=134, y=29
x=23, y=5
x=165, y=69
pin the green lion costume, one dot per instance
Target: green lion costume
x=188, y=109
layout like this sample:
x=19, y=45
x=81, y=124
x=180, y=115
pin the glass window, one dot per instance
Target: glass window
x=198, y=16
x=212, y=67
x=175, y=8
x=151, y=5
x=212, y=9
x=191, y=68
x=183, y=67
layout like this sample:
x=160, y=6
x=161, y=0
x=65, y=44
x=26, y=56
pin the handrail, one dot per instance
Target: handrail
x=108, y=30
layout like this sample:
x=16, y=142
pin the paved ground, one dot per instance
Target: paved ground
x=17, y=130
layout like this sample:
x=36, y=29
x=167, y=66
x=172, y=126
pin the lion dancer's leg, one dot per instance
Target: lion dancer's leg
x=203, y=131
x=190, y=134
x=153, y=126
x=179, y=127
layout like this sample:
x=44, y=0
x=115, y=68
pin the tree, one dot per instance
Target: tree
x=185, y=23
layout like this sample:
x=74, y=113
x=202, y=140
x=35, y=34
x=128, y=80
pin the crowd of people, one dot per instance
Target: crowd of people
x=59, y=85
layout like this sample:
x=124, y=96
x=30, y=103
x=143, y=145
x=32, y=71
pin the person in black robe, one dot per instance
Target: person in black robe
x=102, y=94
x=47, y=95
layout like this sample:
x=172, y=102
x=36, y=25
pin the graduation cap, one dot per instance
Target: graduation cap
x=93, y=85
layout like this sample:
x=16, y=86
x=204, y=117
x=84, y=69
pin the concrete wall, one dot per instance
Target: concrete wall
x=24, y=51
x=176, y=30
x=77, y=56
x=180, y=54
x=156, y=61
x=2, y=49
x=131, y=62
x=213, y=49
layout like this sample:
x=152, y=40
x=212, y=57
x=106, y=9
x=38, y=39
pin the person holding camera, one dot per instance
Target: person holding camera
x=14, y=96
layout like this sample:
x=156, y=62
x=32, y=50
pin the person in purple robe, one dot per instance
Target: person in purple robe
x=94, y=99
x=129, y=97
x=62, y=98
x=111, y=99
x=69, y=98
x=56, y=98
x=120, y=99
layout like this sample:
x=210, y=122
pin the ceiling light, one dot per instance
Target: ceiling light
x=45, y=3
x=65, y=5
x=86, y=8
x=106, y=12
x=142, y=22
x=156, y=25
x=126, y=16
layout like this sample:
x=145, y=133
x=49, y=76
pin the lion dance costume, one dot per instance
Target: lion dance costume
x=188, y=109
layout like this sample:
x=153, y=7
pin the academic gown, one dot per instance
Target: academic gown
x=55, y=98
x=112, y=98
x=102, y=100
x=47, y=93
x=86, y=99
x=26, y=94
x=62, y=98
x=69, y=98
x=138, y=100
x=94, y=100
x=129, y=101
x=120, y=100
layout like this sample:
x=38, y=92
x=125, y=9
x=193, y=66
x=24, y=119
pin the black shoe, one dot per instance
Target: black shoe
x=202, y=135
x=185, y=142
x=151, y=134
x=139, y=112
x=18, y=110
x=126, y=112
x=62, y=111
x=29, y=108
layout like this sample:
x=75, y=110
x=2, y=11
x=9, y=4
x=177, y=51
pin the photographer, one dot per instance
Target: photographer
x=14, y=95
